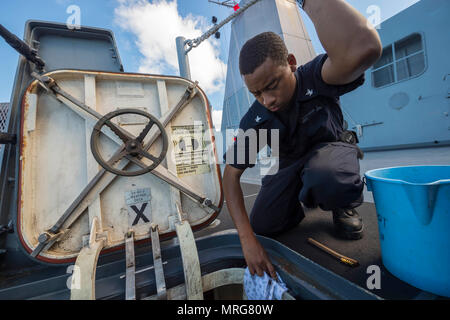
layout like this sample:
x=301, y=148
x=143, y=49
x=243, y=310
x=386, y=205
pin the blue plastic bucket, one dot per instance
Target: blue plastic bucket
x=413, y=209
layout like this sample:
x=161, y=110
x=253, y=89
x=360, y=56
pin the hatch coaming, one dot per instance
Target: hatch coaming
x=56, y=162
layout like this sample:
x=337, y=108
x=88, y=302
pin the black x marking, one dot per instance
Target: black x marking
x=140, y=214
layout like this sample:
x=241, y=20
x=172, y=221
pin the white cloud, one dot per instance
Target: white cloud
x=156, y=25
x=217, y=119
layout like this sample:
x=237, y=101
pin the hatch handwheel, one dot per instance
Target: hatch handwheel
x=133, y=147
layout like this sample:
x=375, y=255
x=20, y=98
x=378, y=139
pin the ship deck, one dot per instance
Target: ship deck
x=318, y=225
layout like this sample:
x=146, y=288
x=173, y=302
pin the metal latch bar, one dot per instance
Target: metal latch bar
x=157, y=263
x=189, y=256
x=130, y=280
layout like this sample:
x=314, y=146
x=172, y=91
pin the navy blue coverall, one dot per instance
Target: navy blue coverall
x=315, y=166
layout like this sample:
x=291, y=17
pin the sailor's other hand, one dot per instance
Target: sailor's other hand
x=257, y=259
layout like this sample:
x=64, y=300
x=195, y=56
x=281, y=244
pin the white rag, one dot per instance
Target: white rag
x=263, y=288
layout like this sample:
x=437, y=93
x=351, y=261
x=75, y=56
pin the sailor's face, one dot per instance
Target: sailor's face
x=273, y=85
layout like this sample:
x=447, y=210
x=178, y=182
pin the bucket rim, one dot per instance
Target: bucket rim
x=369, y=175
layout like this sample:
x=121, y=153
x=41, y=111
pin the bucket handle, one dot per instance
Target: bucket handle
x=367, y=183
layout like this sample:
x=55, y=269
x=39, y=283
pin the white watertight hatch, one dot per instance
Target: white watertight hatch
x=60, y=175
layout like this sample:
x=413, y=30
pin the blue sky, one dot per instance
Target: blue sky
x=141, y=50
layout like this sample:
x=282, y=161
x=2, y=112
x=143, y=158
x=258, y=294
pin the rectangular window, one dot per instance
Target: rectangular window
x=408, y=46
x=383, y=76
x=399, y=61
x=411, y=66
x=386, y=58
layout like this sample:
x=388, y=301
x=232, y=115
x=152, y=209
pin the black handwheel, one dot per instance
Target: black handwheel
x=133, y=147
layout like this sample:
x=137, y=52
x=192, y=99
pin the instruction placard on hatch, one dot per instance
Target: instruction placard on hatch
x=190, y=150
x=138, y=205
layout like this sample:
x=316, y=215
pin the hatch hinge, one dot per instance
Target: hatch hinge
x=4, y=229
x=7, y=138
x=9, y=228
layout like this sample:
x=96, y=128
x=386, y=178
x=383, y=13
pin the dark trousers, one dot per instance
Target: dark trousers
x=327, y=177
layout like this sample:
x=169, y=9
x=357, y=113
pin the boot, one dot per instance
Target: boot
x=348, y=224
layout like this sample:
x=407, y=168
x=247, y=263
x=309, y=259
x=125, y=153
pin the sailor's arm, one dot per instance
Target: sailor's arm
x=255, y=255
x=351, y=43
x=235, y=201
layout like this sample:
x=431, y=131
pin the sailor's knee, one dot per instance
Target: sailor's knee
x=319, y=175
x=333, y=181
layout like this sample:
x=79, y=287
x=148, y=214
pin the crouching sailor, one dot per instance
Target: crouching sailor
x=318, y=159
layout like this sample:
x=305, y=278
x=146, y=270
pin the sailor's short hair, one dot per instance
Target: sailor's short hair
x=257, y=49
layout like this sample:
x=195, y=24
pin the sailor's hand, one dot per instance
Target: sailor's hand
x=257, y=259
